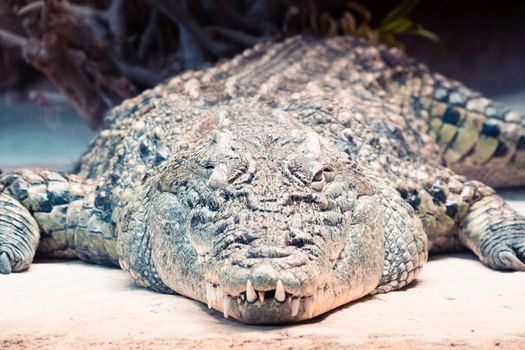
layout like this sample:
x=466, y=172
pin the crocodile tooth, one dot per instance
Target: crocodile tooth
x=280, y=295
x=251, y=296
x=261, y=296
x=215, y=294
x=296, y=302
x=209, y=295
x=227, y=300
x=243, y=296
x=309, y=306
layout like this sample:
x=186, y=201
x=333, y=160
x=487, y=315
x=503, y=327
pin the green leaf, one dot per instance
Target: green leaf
x=397, y=26
x=420, y=31
x=400, y=11
x=427, y=34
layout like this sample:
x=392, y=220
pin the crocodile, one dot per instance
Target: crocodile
x=278, y=185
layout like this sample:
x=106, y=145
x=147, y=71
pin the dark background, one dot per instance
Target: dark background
x=484, y=40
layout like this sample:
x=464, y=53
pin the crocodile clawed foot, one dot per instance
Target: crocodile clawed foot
x=506, y=252
x=511, y=261
x=19, y=236
x=5, y=263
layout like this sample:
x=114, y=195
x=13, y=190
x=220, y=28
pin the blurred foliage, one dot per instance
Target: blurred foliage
x=398, y=22
x=355, y=19
x=100, y=52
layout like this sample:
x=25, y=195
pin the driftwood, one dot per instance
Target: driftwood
x=99, y=52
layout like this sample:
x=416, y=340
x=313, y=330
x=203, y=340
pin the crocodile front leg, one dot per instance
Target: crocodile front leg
x=19, y=235
x=494, y=231
x=67, y=219
x=457, y=212
x=406, y=246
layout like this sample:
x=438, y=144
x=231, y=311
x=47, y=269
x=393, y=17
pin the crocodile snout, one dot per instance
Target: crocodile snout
x=266, y=293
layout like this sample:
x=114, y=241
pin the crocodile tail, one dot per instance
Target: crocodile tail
x=478, y=137
x=19, y=235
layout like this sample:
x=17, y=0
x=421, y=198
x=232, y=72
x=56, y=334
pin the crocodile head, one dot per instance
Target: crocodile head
x=266, y=223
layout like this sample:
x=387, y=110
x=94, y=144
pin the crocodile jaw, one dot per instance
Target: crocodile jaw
x=263, y=293
x=267, y=309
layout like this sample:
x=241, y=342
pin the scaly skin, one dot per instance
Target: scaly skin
x=283, y=183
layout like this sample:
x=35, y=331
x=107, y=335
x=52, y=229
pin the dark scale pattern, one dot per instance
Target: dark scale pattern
x=521, y=143
x=452, y=209
x=438, y=194
x=490, y=130
x=451, y=116
x=501, y=150
x=411, y=196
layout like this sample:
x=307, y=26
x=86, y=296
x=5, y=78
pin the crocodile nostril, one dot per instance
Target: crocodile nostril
x=267, y=252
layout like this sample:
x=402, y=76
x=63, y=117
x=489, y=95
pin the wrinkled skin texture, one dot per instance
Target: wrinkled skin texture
x=265, y=208
x=279, y=185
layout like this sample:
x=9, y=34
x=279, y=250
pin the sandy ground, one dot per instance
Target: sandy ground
x=456, y=302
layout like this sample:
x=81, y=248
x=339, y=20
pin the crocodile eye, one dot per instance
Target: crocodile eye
x=224, y=173
x=318, y=181
x=208, y=169
x=321, y=178
x=325, y=174
x=318, y=176
x=218, y=177
x=328, y=174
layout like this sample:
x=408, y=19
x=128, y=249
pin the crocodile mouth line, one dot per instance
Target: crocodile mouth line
x=251, y=300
